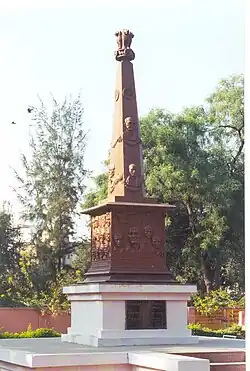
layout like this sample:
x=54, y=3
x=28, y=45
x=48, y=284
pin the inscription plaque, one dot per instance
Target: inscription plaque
x=145, y=314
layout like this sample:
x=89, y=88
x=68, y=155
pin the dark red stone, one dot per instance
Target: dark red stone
x=128, y=229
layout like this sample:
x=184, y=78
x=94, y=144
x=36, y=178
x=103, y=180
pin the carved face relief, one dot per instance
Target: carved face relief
x=128, y=124
x=156, y=242
x=132, y=182
x=148, y=231
x=134, y=237
x=132, y=170
x=117, y=240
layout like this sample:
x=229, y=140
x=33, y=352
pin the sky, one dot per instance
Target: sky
x=182, y=49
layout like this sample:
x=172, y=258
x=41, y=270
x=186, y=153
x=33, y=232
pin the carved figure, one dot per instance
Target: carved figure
x=128, y=124
x=124, y=40
x=148, y=231
x=111, y=171
x=100, y=248
x=106, y=240
x=107, y=220
x=94, y=255
x=134, y=238
x=95, y=222
x=130, y=134
x=156, y=245
x=133, y=183
x=117, y=94
x=119, y=39
x=127, y=39
x=117, y=240
x=113, y=179
x=128, y=93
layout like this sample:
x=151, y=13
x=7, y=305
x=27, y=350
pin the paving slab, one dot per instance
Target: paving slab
x=55, y=345
x=53, y=353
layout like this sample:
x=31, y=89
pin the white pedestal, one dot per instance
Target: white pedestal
x=98, y=314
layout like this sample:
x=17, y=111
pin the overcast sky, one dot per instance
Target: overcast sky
x=182, y=50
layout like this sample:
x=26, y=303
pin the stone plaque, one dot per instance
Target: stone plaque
x=145, y=314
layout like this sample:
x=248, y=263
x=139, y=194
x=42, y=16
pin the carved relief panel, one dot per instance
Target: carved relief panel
x=101, y=237
x=138, y=238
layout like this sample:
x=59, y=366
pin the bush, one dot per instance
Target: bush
x=39, y=333
x=234, y=330
x=213, y=302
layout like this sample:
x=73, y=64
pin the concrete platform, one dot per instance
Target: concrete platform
x=104, y=306
x=53, y=354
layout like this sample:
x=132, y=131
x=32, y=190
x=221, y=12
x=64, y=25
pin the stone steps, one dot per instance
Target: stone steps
x=232, y=366
x=222, y=361
x=219, y=357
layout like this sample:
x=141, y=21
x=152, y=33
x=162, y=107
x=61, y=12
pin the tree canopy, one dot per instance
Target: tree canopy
x=50, y=191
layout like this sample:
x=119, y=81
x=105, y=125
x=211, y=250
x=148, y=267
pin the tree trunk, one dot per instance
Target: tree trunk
x=207, y=273
x=217, y=276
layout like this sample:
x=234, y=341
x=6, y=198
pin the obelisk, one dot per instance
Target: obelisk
x=126, y=181
x=129, y=297
x=127, y=230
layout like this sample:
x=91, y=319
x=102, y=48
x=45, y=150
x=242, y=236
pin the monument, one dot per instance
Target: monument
x=129, y=296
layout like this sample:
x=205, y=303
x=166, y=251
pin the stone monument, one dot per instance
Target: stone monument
x=129, y=296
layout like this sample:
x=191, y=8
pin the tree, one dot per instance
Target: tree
x=53, y=185
x=10, y=252
x=194, y=160
x=227, y=114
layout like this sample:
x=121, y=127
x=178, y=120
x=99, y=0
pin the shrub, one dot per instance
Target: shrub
x=234, y=330
x=39, y=333
x=241, y=303
x=45, y=333
x=213, y=302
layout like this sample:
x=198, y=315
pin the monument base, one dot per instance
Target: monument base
x=105, y=314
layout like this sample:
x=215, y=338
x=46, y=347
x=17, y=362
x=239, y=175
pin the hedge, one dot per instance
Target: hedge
x=234, y=330
x=39, y=333
x=196, y=328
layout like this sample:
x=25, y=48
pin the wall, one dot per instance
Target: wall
x=220, y=319
x=18, y=319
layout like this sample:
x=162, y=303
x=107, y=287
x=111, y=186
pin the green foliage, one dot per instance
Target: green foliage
x=39, y=333
x=213, y=301
x=234, y=330
x=51, y=189
x=11, y=246
x=53, y=184
x=241, y=302
x=95, y=196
